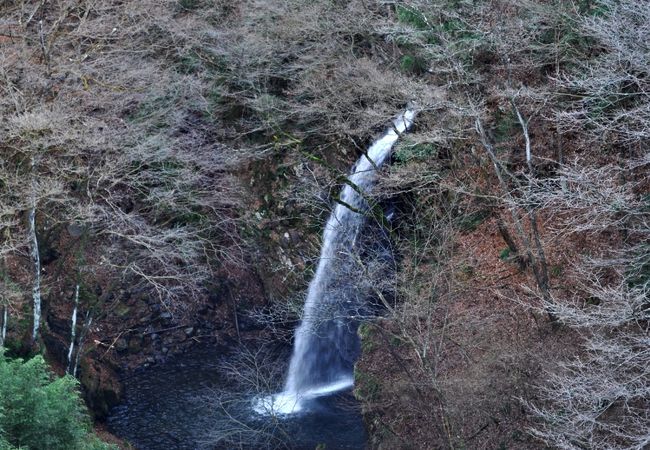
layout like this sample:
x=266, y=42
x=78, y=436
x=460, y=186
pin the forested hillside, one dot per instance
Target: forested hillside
x=167, y=168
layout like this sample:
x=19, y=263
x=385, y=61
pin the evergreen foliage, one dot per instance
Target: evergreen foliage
x=39, y=411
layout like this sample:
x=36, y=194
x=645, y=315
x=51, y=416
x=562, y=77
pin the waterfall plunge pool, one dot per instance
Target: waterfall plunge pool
x=169, y=406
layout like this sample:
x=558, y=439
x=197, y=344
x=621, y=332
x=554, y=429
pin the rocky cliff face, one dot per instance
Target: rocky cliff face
x=132, y=329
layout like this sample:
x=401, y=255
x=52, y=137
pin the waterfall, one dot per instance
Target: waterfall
x=326, y=344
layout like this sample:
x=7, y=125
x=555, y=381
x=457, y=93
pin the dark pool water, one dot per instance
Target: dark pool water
x=173, y=406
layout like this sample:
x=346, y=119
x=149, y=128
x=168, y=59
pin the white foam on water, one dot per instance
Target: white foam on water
x=277, y=404
x=292, y=402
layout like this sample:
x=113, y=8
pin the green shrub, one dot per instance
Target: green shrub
x=188, y=64
x=38, y=411
x=467, y=271
x=410, y=64
x=366, y=336
x=367, y=386
x=4, y=445
x=410, y=151
x=412, y=16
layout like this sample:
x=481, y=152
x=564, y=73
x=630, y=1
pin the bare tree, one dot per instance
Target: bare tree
x=600, y=399
x=83, y=146
x=613, y=105
x=255, y=373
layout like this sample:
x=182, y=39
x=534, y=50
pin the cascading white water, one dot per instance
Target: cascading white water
x=326, y=344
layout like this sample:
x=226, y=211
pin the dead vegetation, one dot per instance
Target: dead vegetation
x=152, y=133
x=111, y=105
x=540, y=149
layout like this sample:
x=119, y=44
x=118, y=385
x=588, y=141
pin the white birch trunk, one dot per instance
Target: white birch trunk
x=89, y=321
x=5, y=317
x=74, y=328
x=36, y=260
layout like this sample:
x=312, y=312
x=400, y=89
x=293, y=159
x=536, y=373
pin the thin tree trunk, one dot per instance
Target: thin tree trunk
x=5, y=307
x=540, y=267
x=36, y=260
x=82, y=336
x=538, y=263
x=510, y=242
x=5, y=318
x=504, y=187
x=233, y=304
x=73, y=329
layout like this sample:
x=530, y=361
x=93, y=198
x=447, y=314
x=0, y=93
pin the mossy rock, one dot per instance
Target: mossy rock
x=101, y=387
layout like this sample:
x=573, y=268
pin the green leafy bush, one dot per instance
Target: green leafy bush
x=38, y=411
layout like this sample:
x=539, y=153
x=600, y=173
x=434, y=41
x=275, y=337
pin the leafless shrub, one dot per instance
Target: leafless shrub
x=112, y=102
x=425, y=277
x=588, y=199
x=611, y=88
x=254, y=374
x=280, y=316
x=501, y=54
x=600, y=400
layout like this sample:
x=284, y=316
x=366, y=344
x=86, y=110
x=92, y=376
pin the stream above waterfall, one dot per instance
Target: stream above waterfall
x=168, y=406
